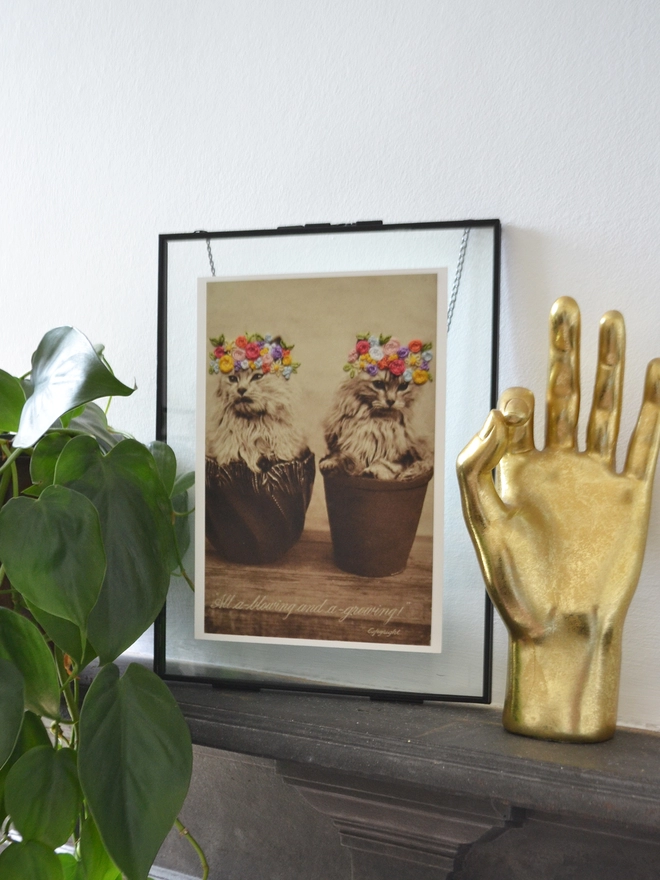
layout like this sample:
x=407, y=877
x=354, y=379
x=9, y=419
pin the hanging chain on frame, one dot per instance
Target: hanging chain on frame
x=457, y=277
x=455, y=286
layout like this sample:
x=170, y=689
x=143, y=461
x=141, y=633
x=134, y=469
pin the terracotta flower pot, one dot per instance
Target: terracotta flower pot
x=373, y=522
x=255, y=518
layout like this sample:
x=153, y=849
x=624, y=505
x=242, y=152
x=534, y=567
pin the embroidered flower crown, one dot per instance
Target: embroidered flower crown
x=267, y=354
x=385, y=354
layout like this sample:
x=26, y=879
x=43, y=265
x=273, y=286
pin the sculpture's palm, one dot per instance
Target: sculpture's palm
x=561, y=544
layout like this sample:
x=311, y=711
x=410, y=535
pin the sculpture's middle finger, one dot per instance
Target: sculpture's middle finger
x=563, y=394
x=603, y=427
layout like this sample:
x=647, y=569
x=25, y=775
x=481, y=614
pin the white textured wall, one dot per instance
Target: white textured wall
x=124, y=119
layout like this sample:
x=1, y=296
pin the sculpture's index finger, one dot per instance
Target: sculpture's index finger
x=563, y=394
x=645, y=441
x=481, y=503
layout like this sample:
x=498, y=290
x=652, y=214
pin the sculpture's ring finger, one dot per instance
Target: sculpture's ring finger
x=563, y=394
x=603, y=428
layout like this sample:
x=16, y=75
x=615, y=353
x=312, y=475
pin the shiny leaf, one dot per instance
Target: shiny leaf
x=29, y=861
x=71, y=869
x=135, y=761
x=66, y=372
x=12, y=401
x=32, y=734
x=42, y=795
x=165, y=462
x=22, y=643
x=12, y=705
x=96, y=862
x=183, y=483
x=136, y=524
x=181, y=523
x=93, y=421
x=44, y=458
x=66, y=417
x=53, y=552
x=65, y=635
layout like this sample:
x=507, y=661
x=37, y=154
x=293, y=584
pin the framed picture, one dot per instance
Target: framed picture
x=320, y=381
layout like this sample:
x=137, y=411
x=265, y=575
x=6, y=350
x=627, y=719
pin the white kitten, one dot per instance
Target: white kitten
x=370, y=430
x=252, y=420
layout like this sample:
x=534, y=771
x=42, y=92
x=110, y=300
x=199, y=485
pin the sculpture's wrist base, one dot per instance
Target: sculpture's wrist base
x=564, y=689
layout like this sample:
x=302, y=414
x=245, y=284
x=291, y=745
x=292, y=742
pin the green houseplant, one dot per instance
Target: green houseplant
x=92, y=524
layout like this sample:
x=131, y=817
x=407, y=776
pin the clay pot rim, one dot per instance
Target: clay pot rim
x=371, y=484
x=304, y=457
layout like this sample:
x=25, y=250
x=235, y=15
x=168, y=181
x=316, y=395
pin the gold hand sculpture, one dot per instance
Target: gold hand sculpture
x=561, y=539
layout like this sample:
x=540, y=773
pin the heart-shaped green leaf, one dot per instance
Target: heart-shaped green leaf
x=165, y=462
x=29, y=859
x=32, y=734
x=93, y=421
x=65, y=635
x=96, y=862
x=12, y=706
x=183, y=483
x=44, y=458
x=66, y=372
x=71, y=869
x=181, y=523
x=136, y=524
x=53, y=552
x=22, y=643
x=42, y=795
x=134, y=761
x=12, y=401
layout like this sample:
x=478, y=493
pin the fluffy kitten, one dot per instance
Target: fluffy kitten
x=370, y=430
x=252, y=420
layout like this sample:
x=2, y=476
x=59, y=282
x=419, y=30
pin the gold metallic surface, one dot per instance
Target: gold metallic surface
x=560, y=537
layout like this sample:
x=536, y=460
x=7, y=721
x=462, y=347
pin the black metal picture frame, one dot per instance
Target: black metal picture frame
x=177, y=655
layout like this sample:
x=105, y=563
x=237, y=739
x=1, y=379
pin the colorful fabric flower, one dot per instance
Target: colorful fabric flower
x=253, y=352
x=391, y=347
x=386, y=356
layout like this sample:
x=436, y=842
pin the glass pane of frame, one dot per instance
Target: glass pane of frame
x=461, y=669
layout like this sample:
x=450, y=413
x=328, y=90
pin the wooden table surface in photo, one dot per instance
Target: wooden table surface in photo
x=305, y=595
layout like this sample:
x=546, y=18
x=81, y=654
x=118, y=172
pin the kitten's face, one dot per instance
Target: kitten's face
x=250, y=394
x=384, y=396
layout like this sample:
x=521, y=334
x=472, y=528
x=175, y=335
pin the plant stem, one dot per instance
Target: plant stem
x=10, y=458
x=183, y=831
x=184, y=574
x=4, y=483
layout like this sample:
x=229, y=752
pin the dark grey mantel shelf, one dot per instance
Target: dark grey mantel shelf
x=438, y=788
